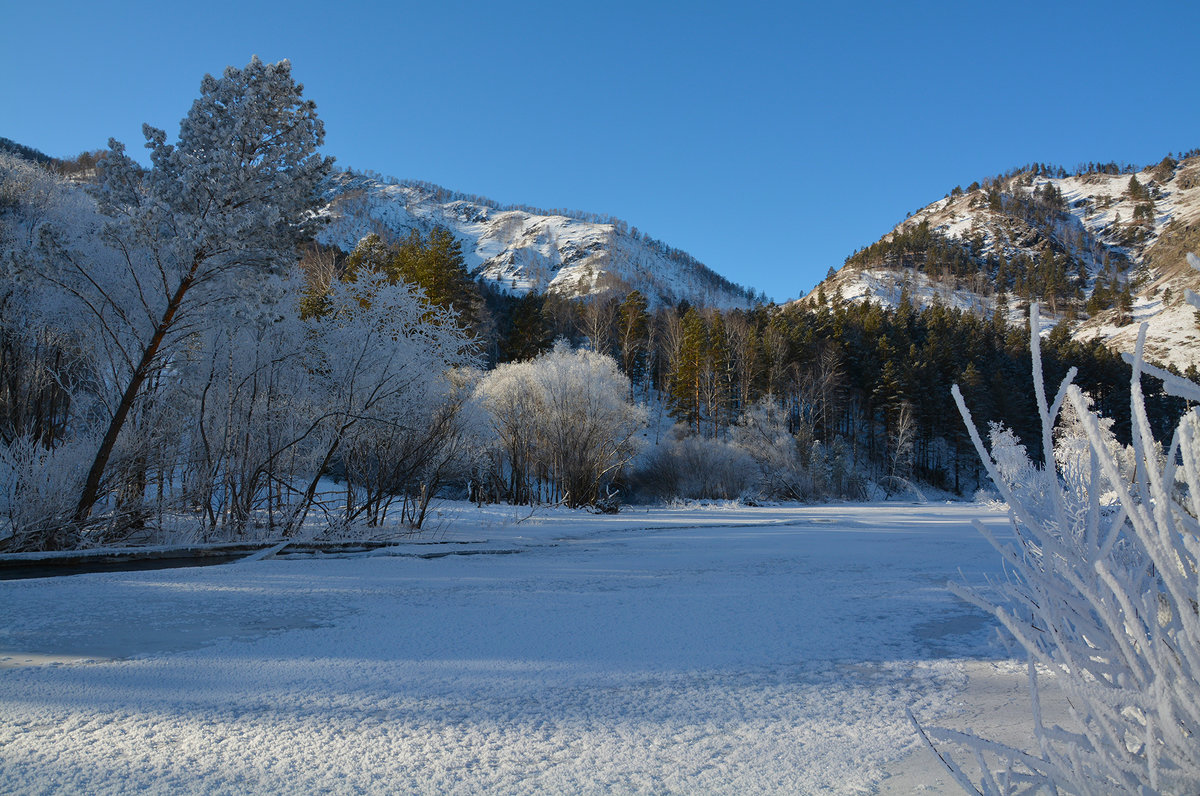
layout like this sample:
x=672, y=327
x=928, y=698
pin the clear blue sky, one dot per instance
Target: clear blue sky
x=770, y=140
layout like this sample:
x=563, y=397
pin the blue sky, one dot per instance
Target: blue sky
x=770, y=139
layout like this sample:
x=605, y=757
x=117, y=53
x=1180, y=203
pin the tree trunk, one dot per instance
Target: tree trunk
x=91, y=487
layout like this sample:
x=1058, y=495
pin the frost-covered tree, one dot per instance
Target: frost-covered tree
x=394, y=467
x=245, y=396
x=40, y=362
x=50, y=373
x=561, y=420
x=161, y=355
x=1103, y=598
x=216, y=211
x=379, y=363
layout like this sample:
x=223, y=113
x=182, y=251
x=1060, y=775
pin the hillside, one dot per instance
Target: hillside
x=1102, y=249
x=520, y=250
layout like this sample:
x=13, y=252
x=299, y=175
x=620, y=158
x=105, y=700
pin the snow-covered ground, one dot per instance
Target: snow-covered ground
x=690, y=650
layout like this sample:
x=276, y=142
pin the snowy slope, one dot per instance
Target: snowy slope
x=519, y=250
x=1097, y=226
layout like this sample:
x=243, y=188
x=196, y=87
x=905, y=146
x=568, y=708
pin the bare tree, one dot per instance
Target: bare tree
x=598, y=323
x=777, y=359
x=743, y=357
x=823, y=384
x=904, y=432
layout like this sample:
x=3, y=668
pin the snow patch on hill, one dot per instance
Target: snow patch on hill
x=520, y=251
x=1173, y=337
x=888, y=286
x=1096, y=226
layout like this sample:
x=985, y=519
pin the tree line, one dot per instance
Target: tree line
x=872, y=382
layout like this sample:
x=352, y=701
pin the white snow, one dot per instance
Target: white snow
x=719, y=649
x=886, y=286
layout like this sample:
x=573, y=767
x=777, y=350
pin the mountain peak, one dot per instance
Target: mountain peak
x=519, y=249
x=1103, y=248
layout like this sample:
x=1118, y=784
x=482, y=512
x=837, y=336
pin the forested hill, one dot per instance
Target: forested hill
x=1102, y=248
x=11, y=147
x=520, y=249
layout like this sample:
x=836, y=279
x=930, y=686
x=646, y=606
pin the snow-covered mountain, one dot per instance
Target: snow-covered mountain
x=520, y=249
x=1105, y=229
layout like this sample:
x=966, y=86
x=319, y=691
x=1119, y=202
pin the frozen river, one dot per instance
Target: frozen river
x=722, y=650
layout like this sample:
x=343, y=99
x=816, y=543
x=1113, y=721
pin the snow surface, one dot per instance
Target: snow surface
x=719, y=649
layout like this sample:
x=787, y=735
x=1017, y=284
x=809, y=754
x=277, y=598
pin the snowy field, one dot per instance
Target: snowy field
x=718, y=650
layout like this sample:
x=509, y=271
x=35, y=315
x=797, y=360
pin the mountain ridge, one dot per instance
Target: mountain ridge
x=521, y=249
x=1101, y=249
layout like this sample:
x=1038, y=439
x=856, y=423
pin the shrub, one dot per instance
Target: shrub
x=697, y=468
x=1104, y=599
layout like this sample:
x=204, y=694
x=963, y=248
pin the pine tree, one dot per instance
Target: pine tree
x=1136, y=191
x=529, y=333
x=435, y=263
x=371, y=254
x=687, y=378
x=233, y=195
x=633, y=334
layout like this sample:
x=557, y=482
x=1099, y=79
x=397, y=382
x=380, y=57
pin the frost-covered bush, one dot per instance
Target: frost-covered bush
x=1073, y=454
x=562, y=425
x=762, y=432
x=1013, y=467
x=398, y=466
x=698, y=468
x=38, y=486
x=1102, y=599
x=795, y=465
x=840, y=477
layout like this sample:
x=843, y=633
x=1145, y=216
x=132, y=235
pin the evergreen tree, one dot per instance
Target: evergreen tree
x=1137, y=191
x=528, y=334
x=435, y=263
x=686, y=381
x=371, y=254
x=633, y=334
